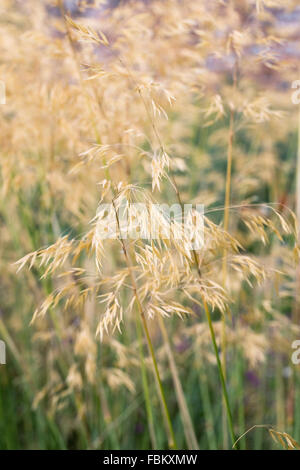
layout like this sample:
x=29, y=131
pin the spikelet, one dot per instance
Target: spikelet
x=160, y=161
x=88, y=34
x=284, y=439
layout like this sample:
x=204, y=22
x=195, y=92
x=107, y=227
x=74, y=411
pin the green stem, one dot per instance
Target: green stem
x=221, y=374
x=207, y=408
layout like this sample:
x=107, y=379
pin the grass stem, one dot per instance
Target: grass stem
x=221, y=373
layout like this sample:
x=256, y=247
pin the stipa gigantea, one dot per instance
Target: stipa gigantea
x=157, y=172
x=90, y=35
x=119, y=129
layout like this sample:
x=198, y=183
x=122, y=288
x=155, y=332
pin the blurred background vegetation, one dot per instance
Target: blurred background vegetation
x=229, y=66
